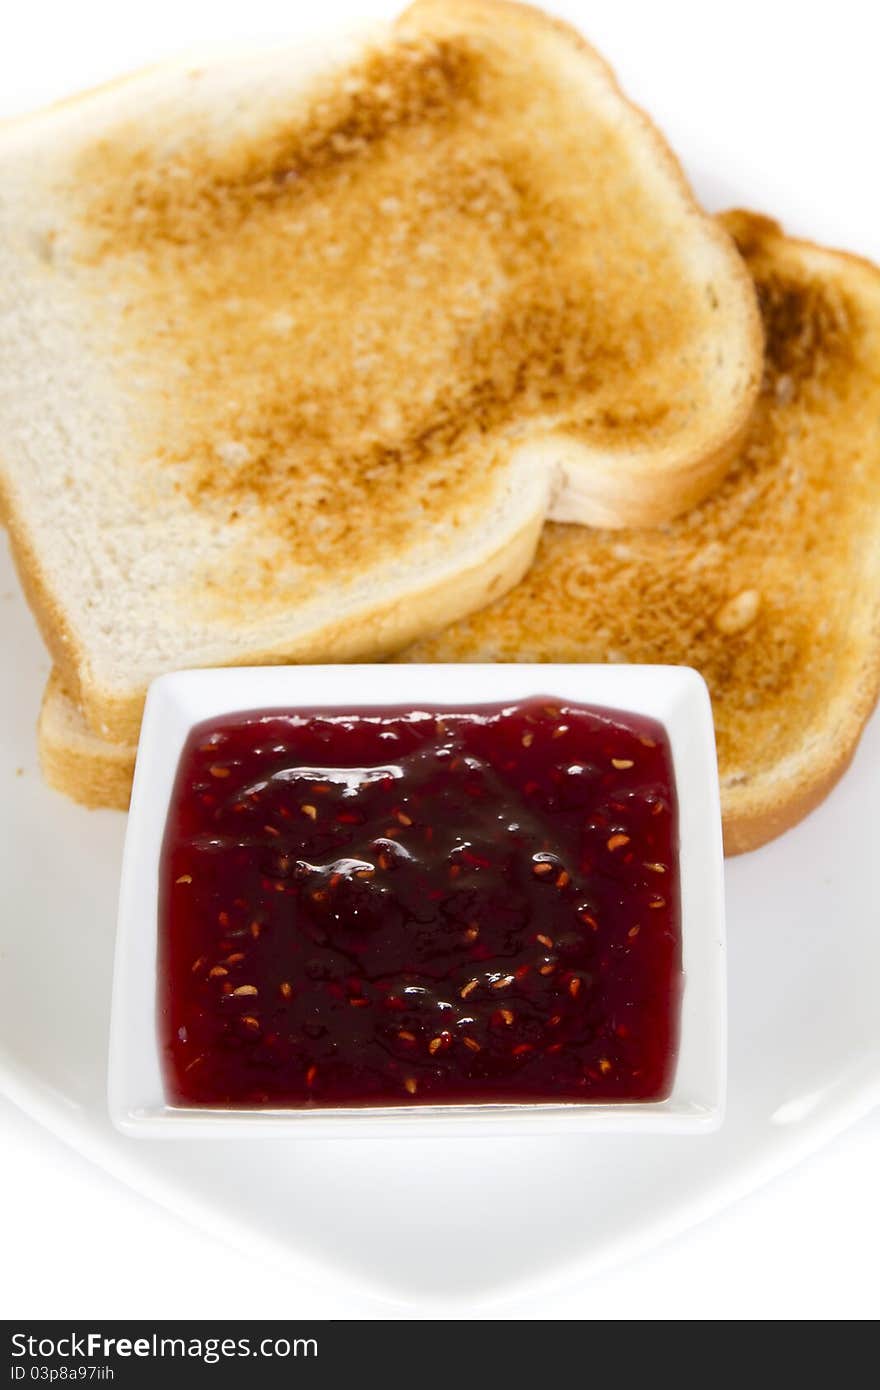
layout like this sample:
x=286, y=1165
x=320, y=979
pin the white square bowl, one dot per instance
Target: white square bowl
x=674, y=695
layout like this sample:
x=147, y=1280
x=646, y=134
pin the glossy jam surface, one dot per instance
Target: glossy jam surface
x=402, y=907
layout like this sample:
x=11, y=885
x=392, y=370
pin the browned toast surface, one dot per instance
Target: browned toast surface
x=431, y=207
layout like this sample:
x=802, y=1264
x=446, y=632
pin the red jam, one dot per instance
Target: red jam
x=399, y=906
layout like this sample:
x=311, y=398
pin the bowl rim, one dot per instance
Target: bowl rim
x=675, y=695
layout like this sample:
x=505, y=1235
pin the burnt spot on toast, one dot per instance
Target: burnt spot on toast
x=201, y=189
x=809, y=329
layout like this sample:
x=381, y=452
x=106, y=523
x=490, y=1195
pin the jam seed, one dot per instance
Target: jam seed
x=223, y=918
x=555, y=1020
x=604, y=1066
x=574, y=986
x=270, y=830
x=560, y=730
x=503, y=981
x=250, y=1023
x=622, y=763
x=217, y=771
x=217, y=972
x=545, y=940
x=199, y=964
x=563, y=879
x=411, y=1085
x=436, y=1043
x=472, y=932
x=471, y=1043
x=546, y=969
x=542, y=867
x=405, y=1036
x=468, y=988
x=310, y=1076
x=657, y=901
x=310, y=811
x=402, y=818
x=634, y=931
x=590, y=920
x=616, y=842
x=656, y=868
x=506, y=1015
x=255, y=929
x=234, y=958
x=521, y=1049
x=528, y=740
x=184, y=878
x=246, y=989
x=285, y=989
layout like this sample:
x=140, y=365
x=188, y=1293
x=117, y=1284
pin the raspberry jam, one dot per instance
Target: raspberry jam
x=405, y=906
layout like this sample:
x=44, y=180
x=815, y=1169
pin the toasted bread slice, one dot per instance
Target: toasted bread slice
x=297, y=352
x=90, y=769
x=770, y=588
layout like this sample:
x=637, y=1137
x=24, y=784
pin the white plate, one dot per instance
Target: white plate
x=433, y=1221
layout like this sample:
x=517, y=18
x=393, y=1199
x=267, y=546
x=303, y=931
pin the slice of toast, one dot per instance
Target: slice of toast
x=298, y=351
x=771, y=587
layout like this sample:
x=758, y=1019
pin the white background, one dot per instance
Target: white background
x=779, y=100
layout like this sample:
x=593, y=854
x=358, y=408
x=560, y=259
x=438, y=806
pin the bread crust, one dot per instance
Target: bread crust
x=750, y=822
x=54, y=628
x=92, y=771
